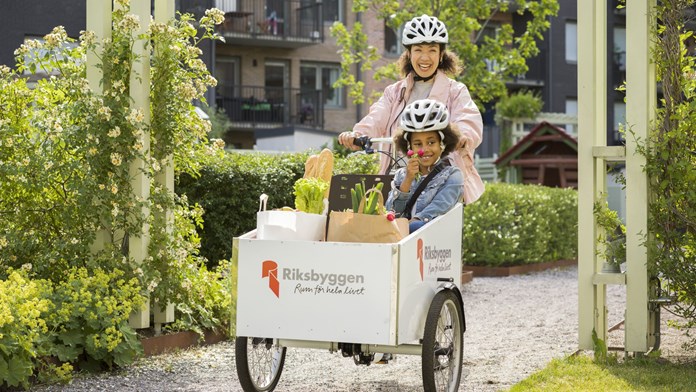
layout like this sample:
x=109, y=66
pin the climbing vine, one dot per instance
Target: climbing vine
x=670, y=152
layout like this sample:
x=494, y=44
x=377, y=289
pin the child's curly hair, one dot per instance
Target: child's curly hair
x=451, y=141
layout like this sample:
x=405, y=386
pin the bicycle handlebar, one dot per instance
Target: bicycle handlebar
x=366, y=142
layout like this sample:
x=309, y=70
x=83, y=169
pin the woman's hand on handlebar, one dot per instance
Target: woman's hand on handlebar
x=346, y=139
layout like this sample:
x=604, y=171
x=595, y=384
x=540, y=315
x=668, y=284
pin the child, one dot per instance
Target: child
x=426, y=136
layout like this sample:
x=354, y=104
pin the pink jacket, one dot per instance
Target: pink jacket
x=383, y=120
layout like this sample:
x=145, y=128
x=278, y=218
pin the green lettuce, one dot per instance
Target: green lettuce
x=309, y=195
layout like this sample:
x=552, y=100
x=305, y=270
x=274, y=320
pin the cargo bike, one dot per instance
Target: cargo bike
x=367, y=301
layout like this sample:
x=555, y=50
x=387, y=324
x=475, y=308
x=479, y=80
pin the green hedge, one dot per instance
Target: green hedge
x=509, y=225
x=520, y=224
x=228, y=189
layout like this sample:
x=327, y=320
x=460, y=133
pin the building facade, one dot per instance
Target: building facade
x=278, y=63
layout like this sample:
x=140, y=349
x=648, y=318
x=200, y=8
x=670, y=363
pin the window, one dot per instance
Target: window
x=392, y=41
x=227, y=5
x=571, y=108
x=321, y=77
x=571, y=42
x=619, y=121
x=227, y=74
x=620, y=47
x=333, y=11
x=277, y=75
x=490, y=30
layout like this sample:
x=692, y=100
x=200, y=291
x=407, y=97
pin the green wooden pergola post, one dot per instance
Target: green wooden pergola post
x=140, y=95
x=593, y=154
x=99, y=21
x=165, y=11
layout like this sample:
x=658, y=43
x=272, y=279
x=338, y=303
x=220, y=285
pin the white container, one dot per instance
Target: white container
x=345, y=292
x=290, y=225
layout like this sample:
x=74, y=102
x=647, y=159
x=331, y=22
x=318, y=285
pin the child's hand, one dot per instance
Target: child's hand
x=412, y=167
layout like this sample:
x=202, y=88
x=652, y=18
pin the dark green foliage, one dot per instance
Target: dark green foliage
x=228, y=189
x=520, y=224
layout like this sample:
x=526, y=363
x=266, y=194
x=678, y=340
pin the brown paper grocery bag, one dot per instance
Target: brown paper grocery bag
x=359, y=227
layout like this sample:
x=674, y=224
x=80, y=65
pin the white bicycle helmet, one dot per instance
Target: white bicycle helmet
x=424, y=115
x=424, y=29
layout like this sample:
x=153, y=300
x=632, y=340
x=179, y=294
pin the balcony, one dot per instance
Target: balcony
x=254, y=107
x=272, y=23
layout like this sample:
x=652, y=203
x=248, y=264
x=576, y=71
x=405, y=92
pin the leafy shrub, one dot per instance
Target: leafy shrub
x=89, y=319
x=520, y=224
x=68, y=155
x=210, y=301
x=22, y=304
x=523, y=104
x=228, y=189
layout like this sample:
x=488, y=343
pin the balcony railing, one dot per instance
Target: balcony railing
x=293, y=22
x=268, y=107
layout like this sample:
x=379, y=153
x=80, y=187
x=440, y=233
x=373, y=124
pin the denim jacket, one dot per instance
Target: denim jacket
x=438, y=197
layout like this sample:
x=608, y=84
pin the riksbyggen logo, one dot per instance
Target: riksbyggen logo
x=436, y=260
x=269, y=269
x=310, y=281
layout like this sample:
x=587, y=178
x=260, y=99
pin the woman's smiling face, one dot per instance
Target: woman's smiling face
x=425, y=58
x=429, y=142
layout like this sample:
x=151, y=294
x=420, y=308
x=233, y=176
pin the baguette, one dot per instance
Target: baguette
x=325, y=168
x=311, y=166
x=320, y=166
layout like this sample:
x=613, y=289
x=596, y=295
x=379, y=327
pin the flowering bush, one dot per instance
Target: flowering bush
x=88, y=318
x=22, y=303
x=68, y=156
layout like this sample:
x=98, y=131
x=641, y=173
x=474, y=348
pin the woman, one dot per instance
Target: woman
x=427, y=186
x=425, y=65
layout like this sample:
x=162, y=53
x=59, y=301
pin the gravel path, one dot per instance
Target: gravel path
x=515, y=326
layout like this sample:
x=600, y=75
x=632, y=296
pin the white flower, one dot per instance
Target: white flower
x=116, y=159
x=3, y=242
x=216, y=15
x=136, y=116
x=114, y=189
x=105, y=112
x=115, y=132
x=129, y=22
x=88, y=37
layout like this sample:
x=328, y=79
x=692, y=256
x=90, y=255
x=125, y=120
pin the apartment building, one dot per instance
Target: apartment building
x=276, y=71
x=278, y=63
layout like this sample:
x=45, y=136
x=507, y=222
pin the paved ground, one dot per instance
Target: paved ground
x=515, y=326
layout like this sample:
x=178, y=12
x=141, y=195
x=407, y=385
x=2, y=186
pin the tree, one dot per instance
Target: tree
x=508, y=53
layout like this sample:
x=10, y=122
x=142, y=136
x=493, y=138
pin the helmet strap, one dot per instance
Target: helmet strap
x=417, y=78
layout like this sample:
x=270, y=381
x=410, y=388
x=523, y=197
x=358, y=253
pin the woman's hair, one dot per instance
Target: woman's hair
x=451, y=139
x=450, y=63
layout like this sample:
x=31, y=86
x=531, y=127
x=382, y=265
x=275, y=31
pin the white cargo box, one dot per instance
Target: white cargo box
x=345, y=292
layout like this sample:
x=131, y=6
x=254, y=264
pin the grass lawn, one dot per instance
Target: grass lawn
x=581, y=373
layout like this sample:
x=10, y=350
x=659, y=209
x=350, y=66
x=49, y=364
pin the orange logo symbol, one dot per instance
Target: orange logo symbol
x=419, y=255
x=269, y=269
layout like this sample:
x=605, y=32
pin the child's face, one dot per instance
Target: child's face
x=429, y=142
